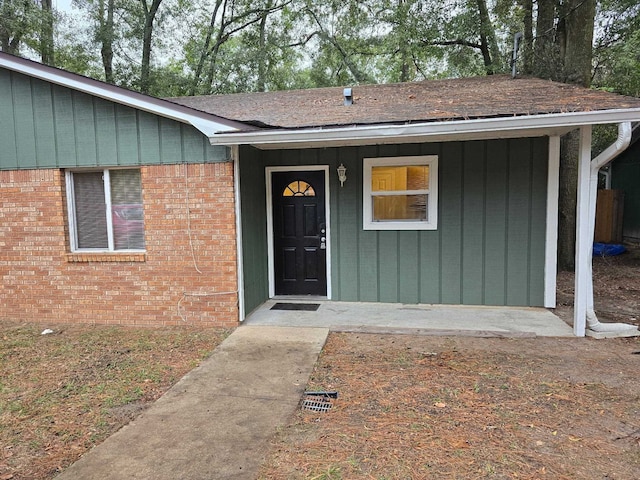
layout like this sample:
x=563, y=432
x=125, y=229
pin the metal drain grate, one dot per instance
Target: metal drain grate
x=318, y=401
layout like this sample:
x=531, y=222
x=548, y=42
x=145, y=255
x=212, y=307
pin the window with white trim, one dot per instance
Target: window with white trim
x=400, y=193
x=105, y=210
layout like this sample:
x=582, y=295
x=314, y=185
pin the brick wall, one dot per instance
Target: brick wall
x=186, y=277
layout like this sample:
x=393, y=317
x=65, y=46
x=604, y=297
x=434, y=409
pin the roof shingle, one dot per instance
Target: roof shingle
x=426, y=101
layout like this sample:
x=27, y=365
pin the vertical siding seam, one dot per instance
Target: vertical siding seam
x=378, y=232
x=35, y=124
x=378, y=269
x=15, y=126
x=138, y=137
x=116, y=116
x=461, y=227
x=182, y=153
x=484, y=222
x=506, y=223
x=338, y=223
x=160, y=152
x=529, y=221
x=398, y=263
x=441, y=171
x=440, y=212
x=75, y=124
x=95, y=129
x=56, y=146
x=419, y=270
x=358, y=196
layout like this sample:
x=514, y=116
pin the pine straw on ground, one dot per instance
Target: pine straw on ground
x=463, y=408
x=62, y=393
x=616, y=284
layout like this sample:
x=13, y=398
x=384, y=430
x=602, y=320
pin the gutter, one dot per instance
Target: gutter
x=484, y=128
x=609, y=154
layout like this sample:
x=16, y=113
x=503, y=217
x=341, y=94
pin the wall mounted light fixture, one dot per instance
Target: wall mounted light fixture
x=342, y=174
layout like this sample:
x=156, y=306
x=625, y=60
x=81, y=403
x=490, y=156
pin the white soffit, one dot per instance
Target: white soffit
x=477, y=129
x=206, y=123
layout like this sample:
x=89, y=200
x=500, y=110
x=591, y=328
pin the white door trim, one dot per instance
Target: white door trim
x=270, y=253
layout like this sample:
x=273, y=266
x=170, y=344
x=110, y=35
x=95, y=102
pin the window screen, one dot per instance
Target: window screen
x=107, y=210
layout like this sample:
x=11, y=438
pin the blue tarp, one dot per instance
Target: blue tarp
x=607, y=249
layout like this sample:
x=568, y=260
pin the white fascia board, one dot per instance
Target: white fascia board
x=206, y=123
x=504, y=127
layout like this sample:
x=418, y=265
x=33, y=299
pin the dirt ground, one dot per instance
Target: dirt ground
x=62, y=393
x=414, y=407
x=409, y=407
x=616, y=285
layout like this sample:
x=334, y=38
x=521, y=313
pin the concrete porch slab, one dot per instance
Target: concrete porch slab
x=417, y=319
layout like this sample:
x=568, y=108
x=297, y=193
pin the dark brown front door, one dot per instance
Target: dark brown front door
x=299, y=231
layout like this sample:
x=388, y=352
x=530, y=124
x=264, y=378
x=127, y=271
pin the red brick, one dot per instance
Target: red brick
x=44, y=282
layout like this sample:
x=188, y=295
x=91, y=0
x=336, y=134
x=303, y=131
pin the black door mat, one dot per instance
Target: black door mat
x=307, y=307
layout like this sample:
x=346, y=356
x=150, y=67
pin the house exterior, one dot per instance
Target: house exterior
x=121, y=208
x=59, y=260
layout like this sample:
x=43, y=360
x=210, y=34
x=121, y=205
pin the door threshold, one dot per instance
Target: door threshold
x=300, y=298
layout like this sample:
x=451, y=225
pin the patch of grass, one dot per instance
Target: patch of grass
x=65, y=392
x=331, y=473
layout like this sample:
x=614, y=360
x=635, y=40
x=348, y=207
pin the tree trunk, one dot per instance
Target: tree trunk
x=579, y=24
x=262, y=51
x=46, y=33
x=527, y=47
x=204, y=52
x=403, y=53
x=544, y=59
x=106, y=38
x=488, y=44
x=149, y=17
x=575, y=34
x=567, y=199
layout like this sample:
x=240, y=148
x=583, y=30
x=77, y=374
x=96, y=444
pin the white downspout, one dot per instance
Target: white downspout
x=621, y=144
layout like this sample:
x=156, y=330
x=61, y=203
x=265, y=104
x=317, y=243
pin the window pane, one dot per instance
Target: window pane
x=126, y=210
x=400, y=178
x=299, y=188
x=90, y=208
x=399, y=207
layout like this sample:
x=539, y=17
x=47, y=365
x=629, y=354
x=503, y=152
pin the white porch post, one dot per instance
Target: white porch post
x=551, y=241
x=235, y=157
x=584, y=244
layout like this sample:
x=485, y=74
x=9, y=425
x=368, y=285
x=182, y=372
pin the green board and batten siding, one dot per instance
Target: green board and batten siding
x=489, y=248
x=625, y=176
x=48, y=126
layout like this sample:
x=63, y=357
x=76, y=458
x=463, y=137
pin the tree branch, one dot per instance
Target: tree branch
x=459, y=41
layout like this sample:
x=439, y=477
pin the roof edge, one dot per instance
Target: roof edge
x=206, y=123
x=484, y=128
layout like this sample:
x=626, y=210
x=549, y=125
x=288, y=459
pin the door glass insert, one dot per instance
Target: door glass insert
x=299, y=188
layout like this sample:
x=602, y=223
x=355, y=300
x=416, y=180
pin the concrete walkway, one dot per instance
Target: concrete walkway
x=216, y=422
